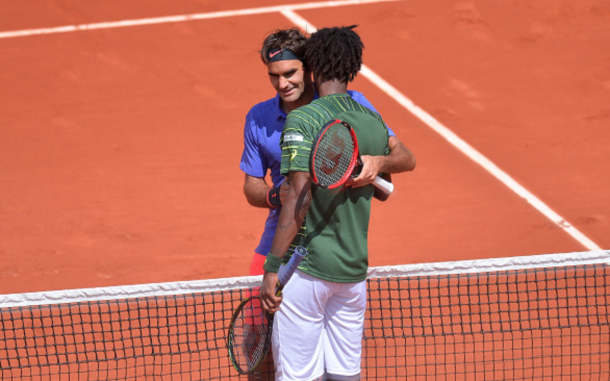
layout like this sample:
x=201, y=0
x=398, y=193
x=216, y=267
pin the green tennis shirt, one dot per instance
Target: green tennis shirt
x=335, y=228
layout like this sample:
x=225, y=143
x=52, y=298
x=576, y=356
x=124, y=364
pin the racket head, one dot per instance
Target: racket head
x=334, y=154
x=249, y=335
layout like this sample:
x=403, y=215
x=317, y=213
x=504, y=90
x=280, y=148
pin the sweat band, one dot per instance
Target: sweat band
x=282, y=55
x=273, y=198
x=272, y=263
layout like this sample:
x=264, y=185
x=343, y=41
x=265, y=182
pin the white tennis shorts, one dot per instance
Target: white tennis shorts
x=318, y=329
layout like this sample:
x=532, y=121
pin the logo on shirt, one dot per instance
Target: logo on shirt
x=293, y=138
x=293, y=154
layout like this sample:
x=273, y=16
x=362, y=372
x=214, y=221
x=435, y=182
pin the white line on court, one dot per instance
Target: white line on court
x=181, y=18
x=460, y=144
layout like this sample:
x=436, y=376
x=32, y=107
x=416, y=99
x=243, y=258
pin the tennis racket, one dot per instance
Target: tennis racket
x=249, y=335
x=335, y=157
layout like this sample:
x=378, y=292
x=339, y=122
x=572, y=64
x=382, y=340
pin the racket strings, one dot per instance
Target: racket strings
x=250, y=336
x=334, y=155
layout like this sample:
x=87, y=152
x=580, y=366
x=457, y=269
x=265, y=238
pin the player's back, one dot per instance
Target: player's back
x=336, y=226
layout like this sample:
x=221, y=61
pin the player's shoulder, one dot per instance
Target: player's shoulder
x=264, y=108
x=362, y=105
x=308, y=113
x=314, y=105
x=357, y=114
x=360, y=99
x=304, y=120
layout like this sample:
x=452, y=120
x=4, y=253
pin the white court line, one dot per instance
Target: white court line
x=460, y=144
x=181, y=18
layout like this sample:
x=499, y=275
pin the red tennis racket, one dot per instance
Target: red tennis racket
x=335, y=157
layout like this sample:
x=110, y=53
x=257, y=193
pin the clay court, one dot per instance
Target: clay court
x=120, y=144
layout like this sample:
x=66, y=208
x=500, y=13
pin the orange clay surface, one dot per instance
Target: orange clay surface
x=120, y=148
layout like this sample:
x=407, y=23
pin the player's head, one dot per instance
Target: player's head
x=284, y=54
x=334, y=54
x=290, y=43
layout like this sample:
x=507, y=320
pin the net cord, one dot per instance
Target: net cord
x=211, y=285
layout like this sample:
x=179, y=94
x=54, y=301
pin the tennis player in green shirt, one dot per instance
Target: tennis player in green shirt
x=318, y=331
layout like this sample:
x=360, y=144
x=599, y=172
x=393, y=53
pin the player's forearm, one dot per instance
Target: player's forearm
x=287, y=228
x=400, y=159
x=293, y=212
x=255, y=189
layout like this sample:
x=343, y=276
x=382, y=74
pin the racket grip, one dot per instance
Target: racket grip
x=386, y=186
x=286, y=272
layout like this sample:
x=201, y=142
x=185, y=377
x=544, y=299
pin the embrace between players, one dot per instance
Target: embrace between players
x=318, y=330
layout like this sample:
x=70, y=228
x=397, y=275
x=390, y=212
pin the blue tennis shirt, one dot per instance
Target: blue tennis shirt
x=262, y=151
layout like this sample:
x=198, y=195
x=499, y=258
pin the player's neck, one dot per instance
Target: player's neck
x=303, y=100
x=331, y=87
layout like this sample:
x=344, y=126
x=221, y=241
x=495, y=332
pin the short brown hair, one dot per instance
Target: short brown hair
x=291, y=39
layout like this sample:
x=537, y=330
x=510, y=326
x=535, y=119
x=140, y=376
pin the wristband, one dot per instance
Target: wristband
x=272, y=263
x=273, y=198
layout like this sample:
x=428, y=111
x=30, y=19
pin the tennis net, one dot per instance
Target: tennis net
x=542, y=317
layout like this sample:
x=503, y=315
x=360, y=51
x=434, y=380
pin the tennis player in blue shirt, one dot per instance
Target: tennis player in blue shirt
x=283, y=54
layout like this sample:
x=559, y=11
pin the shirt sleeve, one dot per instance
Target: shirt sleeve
x=296, y=145
x=253, y=161
x=360, y=98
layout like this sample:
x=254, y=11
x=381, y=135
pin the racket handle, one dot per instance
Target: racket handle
x=286, y=272
x=386, y=186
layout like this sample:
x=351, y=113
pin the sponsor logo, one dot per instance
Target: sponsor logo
x=293, y=138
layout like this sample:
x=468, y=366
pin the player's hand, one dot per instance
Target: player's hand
x=269, y=302
x=371, y=165
x=284, y=187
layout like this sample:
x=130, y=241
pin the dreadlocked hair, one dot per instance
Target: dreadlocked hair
x=335, y=53
x=291, y=39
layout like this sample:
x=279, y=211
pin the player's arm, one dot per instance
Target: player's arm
x=400, y=159
x=291, y=218
x=261, y=195
x=255, y=165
